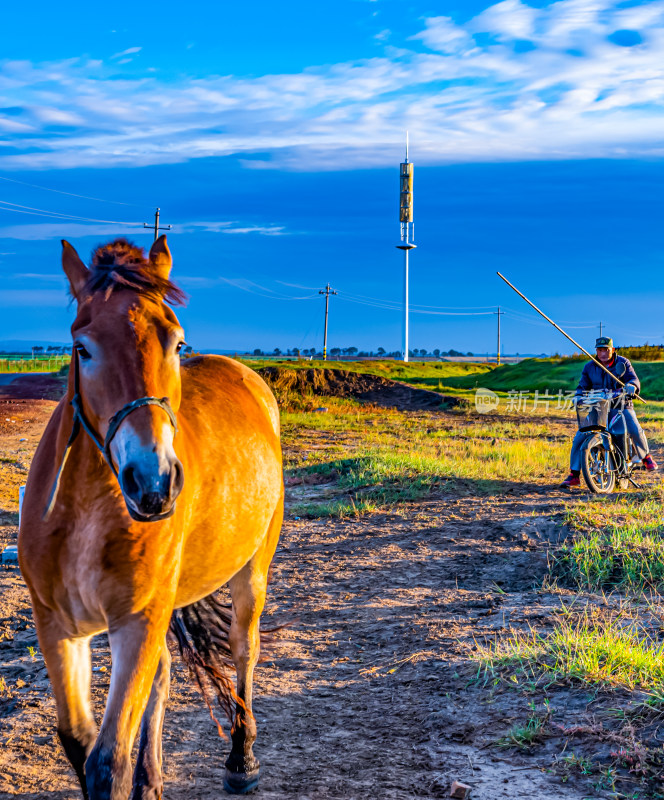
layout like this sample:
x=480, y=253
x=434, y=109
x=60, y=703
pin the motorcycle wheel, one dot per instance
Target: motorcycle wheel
x=597, y=468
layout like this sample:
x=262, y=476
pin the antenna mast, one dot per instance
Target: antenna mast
x=407, y=233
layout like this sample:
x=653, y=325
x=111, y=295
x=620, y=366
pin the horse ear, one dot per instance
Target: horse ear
x=75, y=269
x=160, y=258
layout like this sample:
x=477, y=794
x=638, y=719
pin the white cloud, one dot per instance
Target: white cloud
x=473, y=91
x=230, y=227
x=130, y=51
x=32, y=298
x=265, y=230
x=42, y=231
x=509, y=19
x=443, y=35
x=39, y=276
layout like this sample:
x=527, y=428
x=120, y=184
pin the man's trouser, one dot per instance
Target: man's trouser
x=635, y=431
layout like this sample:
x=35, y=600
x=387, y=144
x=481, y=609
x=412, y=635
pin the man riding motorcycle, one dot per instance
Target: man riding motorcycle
x=594, y=377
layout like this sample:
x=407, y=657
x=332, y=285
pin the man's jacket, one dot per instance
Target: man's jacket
x=594, y=377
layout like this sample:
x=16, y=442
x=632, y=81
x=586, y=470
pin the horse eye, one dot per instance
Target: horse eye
x=83, y=353
x=179, y=346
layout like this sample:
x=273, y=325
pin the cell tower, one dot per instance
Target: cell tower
x=407, y=233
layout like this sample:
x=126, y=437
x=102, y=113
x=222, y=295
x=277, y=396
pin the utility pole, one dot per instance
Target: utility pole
x=407, y=233
x=600, y=330
x=156, y=227
x=327, y=292
x=500, y=313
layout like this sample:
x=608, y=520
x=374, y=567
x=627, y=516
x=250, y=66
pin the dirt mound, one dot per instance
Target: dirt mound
x=342, y=383
x=34, y=387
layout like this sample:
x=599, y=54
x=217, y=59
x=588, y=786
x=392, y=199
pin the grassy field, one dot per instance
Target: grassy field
x=554, y=375
x=412, y=372
x=39, y=364
x=603, y=633
x=533, y=374
x=374, y=458
x=538, y=610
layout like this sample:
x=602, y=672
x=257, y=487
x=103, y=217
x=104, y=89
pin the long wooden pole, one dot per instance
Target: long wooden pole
x=567, y=336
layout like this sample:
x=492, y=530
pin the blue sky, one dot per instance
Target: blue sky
x=270, y=136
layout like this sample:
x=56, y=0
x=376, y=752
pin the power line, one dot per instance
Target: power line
x=519, y=317
x=40, y=212
x=69, y=194
x=273, y=296
x=417, y=305
x=417, y=310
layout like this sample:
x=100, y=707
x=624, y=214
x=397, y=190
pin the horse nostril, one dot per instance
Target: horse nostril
x=152, y=503
x=130, y=486
x=177, y=479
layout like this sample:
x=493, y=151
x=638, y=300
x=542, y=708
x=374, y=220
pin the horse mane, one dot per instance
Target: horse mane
x=120, y=264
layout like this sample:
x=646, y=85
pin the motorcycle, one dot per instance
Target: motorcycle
x=608, y=457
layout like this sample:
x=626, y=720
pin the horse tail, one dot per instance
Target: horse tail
x=201, y=631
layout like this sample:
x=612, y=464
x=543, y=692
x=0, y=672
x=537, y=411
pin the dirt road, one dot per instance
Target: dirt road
x=371, y=692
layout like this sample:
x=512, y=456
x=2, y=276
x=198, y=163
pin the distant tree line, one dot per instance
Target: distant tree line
x=38, y=350
x=380, y=352
x=639, y=352
x=643, y=352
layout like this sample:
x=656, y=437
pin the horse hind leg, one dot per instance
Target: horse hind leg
x=148, y=781
x=69, y=668
x=248, y=588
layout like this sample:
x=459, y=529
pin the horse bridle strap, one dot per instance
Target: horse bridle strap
x=104, y=447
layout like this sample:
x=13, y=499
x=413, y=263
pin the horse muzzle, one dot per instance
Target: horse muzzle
x=150, y=494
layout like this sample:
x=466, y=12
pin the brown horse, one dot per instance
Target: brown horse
x=154, y=484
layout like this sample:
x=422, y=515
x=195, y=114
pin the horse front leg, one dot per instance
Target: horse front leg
x=148, y=781
x=137, y=644
x=248, y=588
x=69, y=669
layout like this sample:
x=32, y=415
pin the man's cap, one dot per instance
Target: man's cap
x=604, y=341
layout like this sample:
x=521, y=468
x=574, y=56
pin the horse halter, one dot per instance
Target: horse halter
x=104, y=447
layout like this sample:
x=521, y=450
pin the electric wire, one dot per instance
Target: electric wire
x=636, y=333
x=70, y=194
x=236, y=283
x=392, y=303
x=59, y=215
x=315, y=323
x=521, y=317
x=419, y=305
x=399, y=307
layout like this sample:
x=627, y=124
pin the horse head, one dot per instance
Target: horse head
x=126, y=368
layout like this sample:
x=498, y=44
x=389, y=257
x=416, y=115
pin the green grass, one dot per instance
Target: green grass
x=408, y=474
x=627, y=558
x=412, y=372
x=524, y=735
x=583, y=648
x=45, y=364
x=334, y=508
x=380, y=457
x=642, y=509
x=554, y=374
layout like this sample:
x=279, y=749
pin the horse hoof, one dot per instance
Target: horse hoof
x=241, y=782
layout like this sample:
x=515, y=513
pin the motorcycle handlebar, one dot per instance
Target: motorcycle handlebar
x=600, y=394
